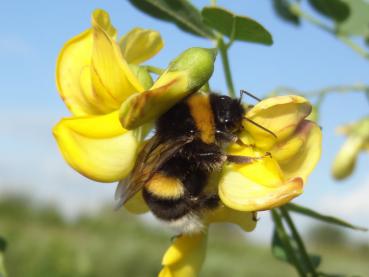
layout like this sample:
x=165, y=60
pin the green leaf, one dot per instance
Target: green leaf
x=280, y=253
x=358, y=21
x=326, y=218
x=282, y=8
x=236, y=27
x=179, y=12
x=337, y=10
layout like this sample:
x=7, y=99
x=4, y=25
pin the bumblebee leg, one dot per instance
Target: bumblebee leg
x=245, y=159
x=210, y=201
x=226, y=136
x=255, y=216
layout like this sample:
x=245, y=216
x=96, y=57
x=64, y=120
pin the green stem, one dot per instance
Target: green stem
x=361, y=51
x=325, y=91
x=286, y=242
x=300, y=243
x=227, y=70
x=296, y=10
x=154, y=69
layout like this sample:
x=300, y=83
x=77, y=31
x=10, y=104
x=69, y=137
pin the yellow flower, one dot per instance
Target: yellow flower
x=184, y=258
x=357, y=141
x=283, y=163
x=94, y=78
x=102, y=85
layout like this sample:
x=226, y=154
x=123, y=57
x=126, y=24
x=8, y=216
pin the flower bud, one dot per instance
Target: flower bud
x=186, y=74
x=358, y=140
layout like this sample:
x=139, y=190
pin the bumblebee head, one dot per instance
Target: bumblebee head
x=228, y=113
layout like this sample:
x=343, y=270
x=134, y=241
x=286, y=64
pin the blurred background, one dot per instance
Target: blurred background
x=58, y=223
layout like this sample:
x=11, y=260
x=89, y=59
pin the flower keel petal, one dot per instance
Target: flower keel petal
x=304, y=161
x=240, y=193
x=97, y=146
x=185, y=256
x=280, y=114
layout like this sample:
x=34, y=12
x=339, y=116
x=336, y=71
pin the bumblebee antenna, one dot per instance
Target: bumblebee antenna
x=261, y=127
x=242, y=92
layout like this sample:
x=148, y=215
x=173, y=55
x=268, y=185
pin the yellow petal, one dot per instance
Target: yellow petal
x=101, y=18
x=139, y=45
x=185, y=256
x=307, y=157
x=97, y=146
x=137, y=204
x=240, y=193
x=73, y=72
x=110, y=73
x=223, y=214
x=264, y=171
x=279, y=114
x=73, y=76
x=282, y=151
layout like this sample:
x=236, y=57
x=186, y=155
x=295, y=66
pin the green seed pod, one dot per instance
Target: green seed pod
x=185, y=75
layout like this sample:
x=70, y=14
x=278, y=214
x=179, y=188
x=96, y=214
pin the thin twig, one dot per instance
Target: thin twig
x=227, y=70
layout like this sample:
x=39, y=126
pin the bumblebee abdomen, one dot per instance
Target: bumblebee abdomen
x=165, y=187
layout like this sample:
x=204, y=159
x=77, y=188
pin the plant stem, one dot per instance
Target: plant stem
x=286, y=242
x=326, y=90
x=300, y=243
x=154, y=69
x=361, y=51
x=227, y=71
x=296, y=10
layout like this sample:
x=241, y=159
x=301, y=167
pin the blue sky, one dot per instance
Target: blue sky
x=33, y=32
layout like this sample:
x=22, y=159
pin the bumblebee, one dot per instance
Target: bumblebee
x=174, y=166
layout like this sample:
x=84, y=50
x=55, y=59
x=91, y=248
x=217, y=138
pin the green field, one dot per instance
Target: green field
x=41, y=243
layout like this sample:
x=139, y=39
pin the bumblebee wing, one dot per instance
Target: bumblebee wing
x=154, y=154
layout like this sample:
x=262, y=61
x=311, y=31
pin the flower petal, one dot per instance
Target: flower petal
x=240, y=193
x=280, y=114
x=73, y=72
x=110, y=73
x=97, y=146
x=101, y=18
x=73, y=76
x=137, y=204
x=185, y=256
x=139, y=45
x=223, y=214
x=306, y=158
x=264, y=170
